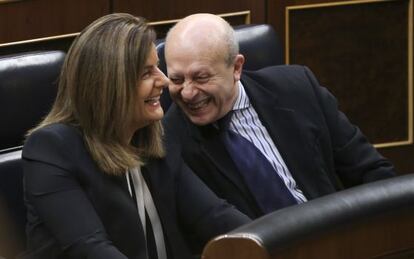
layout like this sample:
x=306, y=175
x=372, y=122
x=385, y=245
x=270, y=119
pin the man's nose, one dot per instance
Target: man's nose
x=189, y=91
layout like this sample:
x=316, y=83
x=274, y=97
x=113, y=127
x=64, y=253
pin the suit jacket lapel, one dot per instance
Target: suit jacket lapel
x=284, y=128
x=213, y=149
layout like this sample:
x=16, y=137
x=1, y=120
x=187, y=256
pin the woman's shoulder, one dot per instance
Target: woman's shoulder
x=53, y=142
x=53, y=134
x=56, y=129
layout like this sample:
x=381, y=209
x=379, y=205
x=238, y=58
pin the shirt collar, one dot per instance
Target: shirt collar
x=242, y=101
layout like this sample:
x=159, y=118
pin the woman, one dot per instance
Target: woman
x=97, y=181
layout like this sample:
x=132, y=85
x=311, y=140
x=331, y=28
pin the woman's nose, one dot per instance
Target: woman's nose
x=162, y=80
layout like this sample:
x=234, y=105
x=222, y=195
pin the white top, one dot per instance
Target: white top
x=146, y=203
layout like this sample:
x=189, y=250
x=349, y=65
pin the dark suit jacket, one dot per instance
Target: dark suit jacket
x=77, y=211
x=321, y=148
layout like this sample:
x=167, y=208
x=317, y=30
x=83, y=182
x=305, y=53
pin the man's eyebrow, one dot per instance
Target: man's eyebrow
x=201, y=72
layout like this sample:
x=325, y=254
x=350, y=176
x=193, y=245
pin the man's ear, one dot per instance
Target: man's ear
x=238, y=66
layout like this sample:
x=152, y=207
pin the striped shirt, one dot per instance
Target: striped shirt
x=246, y=122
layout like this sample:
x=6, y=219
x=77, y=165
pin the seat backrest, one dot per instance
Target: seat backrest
x=28, y=86
x=374, y=220
x=259, y=44
x=13, y=211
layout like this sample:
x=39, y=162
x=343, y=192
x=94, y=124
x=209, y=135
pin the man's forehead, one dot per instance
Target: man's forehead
x=195, y=54
x=197, y=26
x=195, y=43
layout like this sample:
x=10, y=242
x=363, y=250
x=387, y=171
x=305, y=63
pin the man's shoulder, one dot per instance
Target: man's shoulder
x=281, y=72
x=280, y=80
x=176, y=125
x=174, y=117
x=281, y=68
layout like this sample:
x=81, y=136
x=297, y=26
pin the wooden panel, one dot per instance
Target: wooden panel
x=62, y=21
x=63, y=42
x=235, y=18
x=242, y=247
x=53, y=43
x=402, y=155
x=159, y=10
x=362, y=57
x=42, y=18
x=275, y=11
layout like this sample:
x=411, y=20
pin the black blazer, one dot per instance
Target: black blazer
x=321, y=148
x=77, y=211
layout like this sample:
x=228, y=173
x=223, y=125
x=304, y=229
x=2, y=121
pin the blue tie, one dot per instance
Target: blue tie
x=264, y=183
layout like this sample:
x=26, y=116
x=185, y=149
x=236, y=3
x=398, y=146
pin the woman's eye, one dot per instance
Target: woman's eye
x=146, y=74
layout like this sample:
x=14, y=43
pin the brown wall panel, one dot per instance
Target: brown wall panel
x=158, y=10
x=30, y=19
x=362, y=57
x=275, y=11
x=381, y=103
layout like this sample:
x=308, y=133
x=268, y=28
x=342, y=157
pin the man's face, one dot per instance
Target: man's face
x=202, y=83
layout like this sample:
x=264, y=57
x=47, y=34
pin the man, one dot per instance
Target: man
x=311, y=147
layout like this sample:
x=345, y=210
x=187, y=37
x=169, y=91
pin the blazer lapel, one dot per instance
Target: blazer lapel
x=286, y=132
x=213, y=149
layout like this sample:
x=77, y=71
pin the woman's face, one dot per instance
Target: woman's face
x=148, y=108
